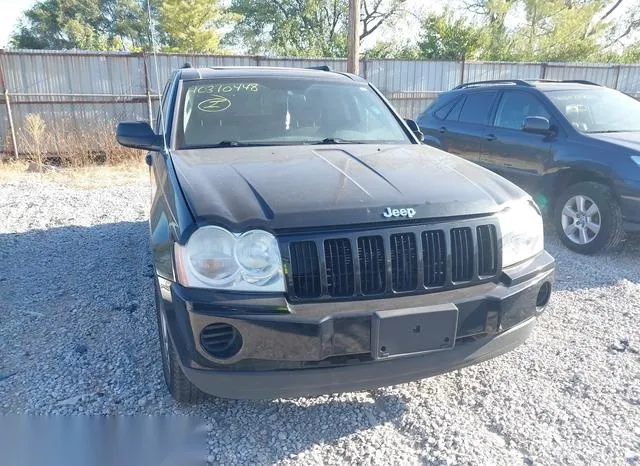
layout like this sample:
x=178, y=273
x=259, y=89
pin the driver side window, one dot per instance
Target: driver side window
x=162, y=105
x=514, y=107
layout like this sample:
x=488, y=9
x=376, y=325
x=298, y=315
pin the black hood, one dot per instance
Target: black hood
x=309, y=186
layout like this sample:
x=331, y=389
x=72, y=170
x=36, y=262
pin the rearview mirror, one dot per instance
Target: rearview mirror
x=415, y=129
x=139, y=135
x=536, y=125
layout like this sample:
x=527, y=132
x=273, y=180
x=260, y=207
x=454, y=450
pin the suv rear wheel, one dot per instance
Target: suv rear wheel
x=588, y=218
x=179, y=386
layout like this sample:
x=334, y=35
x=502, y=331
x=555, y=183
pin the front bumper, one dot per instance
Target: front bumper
x=311, y=349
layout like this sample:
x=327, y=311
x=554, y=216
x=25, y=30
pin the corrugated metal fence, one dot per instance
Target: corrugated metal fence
x=76, y=91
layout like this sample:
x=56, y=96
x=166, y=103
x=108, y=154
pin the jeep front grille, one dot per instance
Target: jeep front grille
x=487, y=250
x=435, y=258
x=461, y=254
x=305, y=269
x=404, y=261
x=372, y=262
x=339, y=260
x=381, y=263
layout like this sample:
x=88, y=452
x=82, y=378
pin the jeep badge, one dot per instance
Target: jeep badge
x=389, y=212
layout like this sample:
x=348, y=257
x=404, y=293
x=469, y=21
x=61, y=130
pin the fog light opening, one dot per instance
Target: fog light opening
x=543, y=296
x=221, y=340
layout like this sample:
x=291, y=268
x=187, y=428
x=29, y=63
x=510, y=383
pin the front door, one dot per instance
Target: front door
x=509, y=151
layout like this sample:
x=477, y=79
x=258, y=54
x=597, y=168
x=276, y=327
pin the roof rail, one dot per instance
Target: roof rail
x=515, y=82
x=320, y=68
x=575, y=81
x=580, y=81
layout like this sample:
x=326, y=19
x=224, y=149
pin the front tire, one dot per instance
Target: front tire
x=588, y=218
x=181, y=388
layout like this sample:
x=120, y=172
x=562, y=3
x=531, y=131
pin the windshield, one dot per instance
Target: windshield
x=598, y=110
x=276, y=111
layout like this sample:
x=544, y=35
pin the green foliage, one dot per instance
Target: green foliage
x=290, y=27
x=191, y=25
x=631, y=54
x=445, y=37
x=306, y=28
x=538, y=30
x=83, y=24
x=391, y=49
x=557, y=30
x=547, y=31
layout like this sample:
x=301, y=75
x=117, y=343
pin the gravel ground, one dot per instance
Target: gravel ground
x=78, y=335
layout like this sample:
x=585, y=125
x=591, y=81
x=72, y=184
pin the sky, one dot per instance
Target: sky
x=13, y=9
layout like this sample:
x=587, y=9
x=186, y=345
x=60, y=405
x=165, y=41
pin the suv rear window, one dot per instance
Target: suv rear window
x=477, y=107
x=454, y=114
x=444, y=108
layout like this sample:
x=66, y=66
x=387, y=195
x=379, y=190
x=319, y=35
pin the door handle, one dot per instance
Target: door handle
x=491, y=137
x=443, y=129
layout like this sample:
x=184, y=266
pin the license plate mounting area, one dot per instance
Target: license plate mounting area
x=403, y=332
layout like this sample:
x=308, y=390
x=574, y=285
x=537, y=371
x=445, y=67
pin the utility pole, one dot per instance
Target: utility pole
x=353, y=41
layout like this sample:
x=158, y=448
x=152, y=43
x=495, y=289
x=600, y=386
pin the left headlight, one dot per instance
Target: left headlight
x=216, y=258
x=522, y=232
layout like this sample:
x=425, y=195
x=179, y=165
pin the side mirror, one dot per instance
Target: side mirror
x=415, y=129
x=536, y=125
x=139, y=135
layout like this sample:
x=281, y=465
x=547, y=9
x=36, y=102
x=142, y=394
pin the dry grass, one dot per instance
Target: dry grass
x=88, y=177
x=67, y=145
x=83, y=158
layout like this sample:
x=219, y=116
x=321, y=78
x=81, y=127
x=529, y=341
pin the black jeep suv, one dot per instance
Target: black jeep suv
x=305, y=242
x=573, y=145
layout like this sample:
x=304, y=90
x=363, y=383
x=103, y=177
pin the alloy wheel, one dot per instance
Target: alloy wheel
x=581, y=219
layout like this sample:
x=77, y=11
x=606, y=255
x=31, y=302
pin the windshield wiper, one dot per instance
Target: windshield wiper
x=226, y=143
x=612, y=131
x=336, y=141
x=230, y=144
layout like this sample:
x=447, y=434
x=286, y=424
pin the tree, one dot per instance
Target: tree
x=445, y=37
x=559, y=30
x=393, y=49
x=631, y=53
x=375, y=13
x=191, y=25
x=83, y=24
x=304, y=27
x=495, y=39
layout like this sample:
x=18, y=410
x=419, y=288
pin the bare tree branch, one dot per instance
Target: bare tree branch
x=374, y=15
x=611, y=10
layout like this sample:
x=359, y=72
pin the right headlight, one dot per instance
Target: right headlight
x=522, y=232
x=216, y=258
